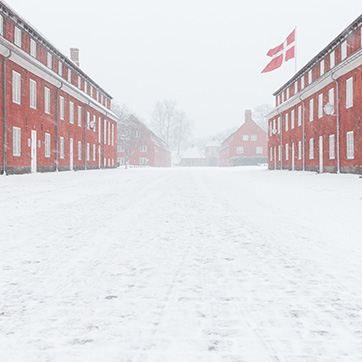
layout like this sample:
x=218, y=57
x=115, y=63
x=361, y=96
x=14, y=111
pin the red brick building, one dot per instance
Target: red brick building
x=246, y=146
x=53, y=116
x=139, y=146
x=302, y=136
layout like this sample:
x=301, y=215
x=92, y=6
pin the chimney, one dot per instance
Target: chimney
x=248, y=115
x=74, y=55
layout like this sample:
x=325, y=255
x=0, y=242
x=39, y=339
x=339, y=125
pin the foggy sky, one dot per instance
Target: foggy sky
x=205, y=54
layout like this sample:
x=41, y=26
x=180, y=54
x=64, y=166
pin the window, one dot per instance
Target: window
x=286, y=152
x=109, y=133
x=94, y=152
x=282, y=97
x=137, y=134
x=278, y=124
x=79, y=150
x=296, y=87
x=32, y=94
x=332, y=60
x=17, y=37
x=105, y=131
x=143, y=148
x=121, y=161
x=101, y=98
x=47, y=145
x=253, y=137
x=61, y=108
x=344, y=50
x=299, y=116
x=60, y=68
x=91, y=90
x=299, y=150
x=259, y=150
x=99, y=129
x=331, y=96
x=69, y=75
x=47, y=100
x=311, y=105
x=311, y=148
x=79, y=82
x=88, y=151
x=310, y=77
x=292, y=119
x=79, y=116
x=1, y=25
x=287, y=96
x=349, y=92
x=94, y=122
x=33, y=47
x=320, y=105
x=331, y=147
x=302, y=82
x=321, y=68
x=61, y=147
x=97, y=96
x=274, y=124
x=71, y=112
x=16, y=141
x=16, y=88
x=49, y=60
x=286, y=122
x=350, y=146
x=85, y=86
x=143, y=161
x=112, y=134
x=239, y=150
x=245, y=137
x=279, y=153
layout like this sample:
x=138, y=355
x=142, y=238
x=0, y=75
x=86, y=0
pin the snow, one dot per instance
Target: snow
x=191, y=264
x=193, y=152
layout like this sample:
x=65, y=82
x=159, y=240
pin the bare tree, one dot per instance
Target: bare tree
x=182, y=129
x=260, y=113
x=164, y=118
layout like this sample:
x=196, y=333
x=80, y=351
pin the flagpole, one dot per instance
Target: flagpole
x=296, y=49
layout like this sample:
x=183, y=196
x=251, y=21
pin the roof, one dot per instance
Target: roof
x=23, y=23
x=213, y=143
x=193, y=152
x=328, y=49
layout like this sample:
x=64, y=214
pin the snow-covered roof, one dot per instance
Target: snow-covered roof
x=193, y=152
x=213, y=143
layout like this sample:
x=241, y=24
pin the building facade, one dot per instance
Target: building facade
x=316, y=124
x=139, y=146
x=53, y=116
x=212, y=148
x=193, y=157
x=246, y=146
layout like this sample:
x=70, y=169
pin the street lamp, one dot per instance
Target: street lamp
x=329, y=109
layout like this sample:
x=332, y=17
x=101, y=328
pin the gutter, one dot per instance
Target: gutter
x=4, y=112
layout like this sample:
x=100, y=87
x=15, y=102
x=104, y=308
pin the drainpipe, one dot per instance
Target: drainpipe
x=303, y=144
x=57, y=127
x=4, y=113
x=338, y=121
x=85, y=134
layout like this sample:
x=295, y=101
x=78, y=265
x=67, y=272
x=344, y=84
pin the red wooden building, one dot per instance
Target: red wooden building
x=53, y=116
x=303, y=133
x=246, y=146
x=139, y=146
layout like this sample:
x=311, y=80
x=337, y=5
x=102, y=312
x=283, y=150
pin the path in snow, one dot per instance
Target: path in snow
x=184, y=265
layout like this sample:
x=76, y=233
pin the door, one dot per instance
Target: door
x=293, y=154
x=33, y=152
x=71, y=154
x=320, y=154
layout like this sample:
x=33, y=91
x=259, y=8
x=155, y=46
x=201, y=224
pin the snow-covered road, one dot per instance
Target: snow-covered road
x=168, y=265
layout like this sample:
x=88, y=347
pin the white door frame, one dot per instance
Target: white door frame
x=33, y=152
x=293, y=157
x=320, y=154
x=71, y=154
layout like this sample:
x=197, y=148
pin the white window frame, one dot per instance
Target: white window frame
x=109, y=133
x=302, y=82
x=321, y=67
x=279, y=124
x=79, y=150
x=105, y=131
x=112, y=134
x=61, y=108
x=1, y=25
x=61, y=147
x=286, y=122
x=240, y=150
x=332, y=152
x=350, y=145
x=292, y=119
x=16, y=87
x=46, y=100
x=99, y=129
x=349, y=92
x=299, y=116
x=79, y=82
x=85, y=86
x=143, y=148
x=71, y=112
x=311, y=148
x=16, y=141
x=259, y=150
x=33, y=93
x=279, y=153
x=299, y=150
x=79, y=116
x=94, y=152
x=320, y=105
x=332, y=60
x=49, y=60
x=88, y=151
x=295, y=87
x=344, y=50
x=33, y=48
x=69, y=77
x=310, y=77
x=286, y=152
x=95, y=123
x=60, y=68
x=143, y=161
x=331, y=96
x=253, y=137
x=18, y=37
x=311, y=110
x=47, y=142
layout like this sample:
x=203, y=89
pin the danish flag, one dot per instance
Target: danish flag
x=281, y=53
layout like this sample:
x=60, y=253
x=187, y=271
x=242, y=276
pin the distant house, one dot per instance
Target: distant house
x=246, y=146
x=212, y=152
x=139, y=146
x=193, y=156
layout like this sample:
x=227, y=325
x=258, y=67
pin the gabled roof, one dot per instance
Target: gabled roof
x=213, y=143
x=193, y=153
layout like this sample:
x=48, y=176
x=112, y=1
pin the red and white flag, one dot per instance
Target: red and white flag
x=281, y=53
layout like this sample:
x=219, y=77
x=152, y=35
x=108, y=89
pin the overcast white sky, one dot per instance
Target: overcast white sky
x=205, y=54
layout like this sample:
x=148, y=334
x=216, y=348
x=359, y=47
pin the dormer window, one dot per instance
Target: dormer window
x=49, y=60
x=79, y=82
x=17, y=37
x=332, y=60
x=310, y=77
x=69, y=75
x=344, y=50
x=321, y=68
x=33, y=52
x=60, y=68
x=85, y=87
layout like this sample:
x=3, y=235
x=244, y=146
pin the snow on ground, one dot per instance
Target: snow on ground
x=146, y=265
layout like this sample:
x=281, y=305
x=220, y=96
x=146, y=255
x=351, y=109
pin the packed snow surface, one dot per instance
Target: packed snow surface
x=169, y=265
